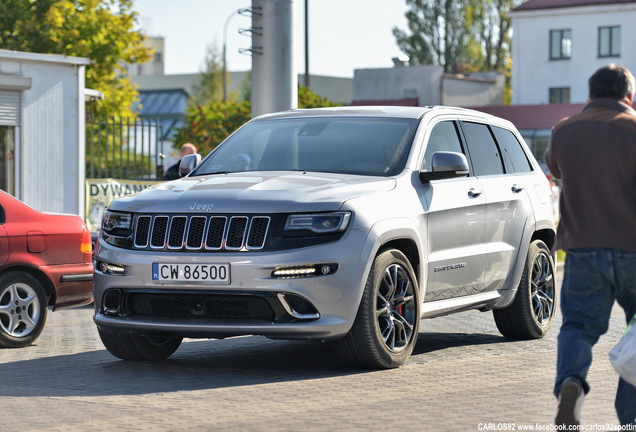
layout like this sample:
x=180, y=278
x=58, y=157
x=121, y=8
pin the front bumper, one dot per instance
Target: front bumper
x=253, y=303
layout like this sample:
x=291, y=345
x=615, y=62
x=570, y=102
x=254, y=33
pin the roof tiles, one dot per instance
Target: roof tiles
x=555, y=4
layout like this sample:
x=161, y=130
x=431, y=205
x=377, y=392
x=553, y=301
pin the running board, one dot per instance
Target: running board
x=444, y=307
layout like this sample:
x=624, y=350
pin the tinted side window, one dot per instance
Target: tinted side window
x=515, y=158
x=483, y=149
x=444, y=137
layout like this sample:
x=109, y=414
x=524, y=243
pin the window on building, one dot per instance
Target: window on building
x=609, y=41
x=560, y=95
x=7, y=161
x=560, y=44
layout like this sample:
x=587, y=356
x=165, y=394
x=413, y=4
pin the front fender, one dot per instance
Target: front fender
x=402, y=234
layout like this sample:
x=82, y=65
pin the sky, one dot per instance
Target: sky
x=343, y=34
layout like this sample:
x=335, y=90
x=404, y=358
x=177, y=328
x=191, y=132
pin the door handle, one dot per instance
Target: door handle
x=474, y=193
x=516, y=189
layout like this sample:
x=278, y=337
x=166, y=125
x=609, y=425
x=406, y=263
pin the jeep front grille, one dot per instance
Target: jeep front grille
x=194, y=233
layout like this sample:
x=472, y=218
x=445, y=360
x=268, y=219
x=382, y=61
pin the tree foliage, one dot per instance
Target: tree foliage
x=475, y=33
x=437, y=32
x=491, y=30
x=210, y=85
x=101, y=30
x=208, y=125
x=308, y=99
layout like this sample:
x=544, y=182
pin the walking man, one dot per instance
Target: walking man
x=594, y=155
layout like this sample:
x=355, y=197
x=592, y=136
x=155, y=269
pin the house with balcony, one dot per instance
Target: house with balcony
x=556, y=46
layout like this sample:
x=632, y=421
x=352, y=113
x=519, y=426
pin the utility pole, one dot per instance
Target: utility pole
x=274, y=76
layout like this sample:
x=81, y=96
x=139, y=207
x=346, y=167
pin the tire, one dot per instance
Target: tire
x=385, y=330
x=531, y=314
x=139, y=347
x=23, y=309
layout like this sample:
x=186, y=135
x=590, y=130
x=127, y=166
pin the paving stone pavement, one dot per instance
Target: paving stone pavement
x=463, y=376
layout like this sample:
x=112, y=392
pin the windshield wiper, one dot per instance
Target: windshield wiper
x=209, y=173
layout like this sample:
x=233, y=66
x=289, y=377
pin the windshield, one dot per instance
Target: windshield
x=353, y=145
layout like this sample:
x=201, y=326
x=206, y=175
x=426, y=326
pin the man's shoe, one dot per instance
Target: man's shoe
x=571, y=398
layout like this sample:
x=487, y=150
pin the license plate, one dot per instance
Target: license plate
x=203, y=273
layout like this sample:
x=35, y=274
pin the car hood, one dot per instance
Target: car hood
x=253, y=192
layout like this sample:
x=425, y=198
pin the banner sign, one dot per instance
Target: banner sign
x=100, y=192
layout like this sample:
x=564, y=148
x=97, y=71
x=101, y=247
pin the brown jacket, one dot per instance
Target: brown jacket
x=594, y=155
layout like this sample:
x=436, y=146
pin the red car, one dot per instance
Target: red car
x=45, y=260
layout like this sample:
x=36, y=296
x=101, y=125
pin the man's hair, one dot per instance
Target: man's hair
x=612, y=82
x=187, y=149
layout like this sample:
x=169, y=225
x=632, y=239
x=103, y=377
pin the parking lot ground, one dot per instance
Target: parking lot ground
x=463, y=376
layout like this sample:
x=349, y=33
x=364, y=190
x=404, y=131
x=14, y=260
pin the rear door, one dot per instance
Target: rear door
x=456, y=215
x=495, y=154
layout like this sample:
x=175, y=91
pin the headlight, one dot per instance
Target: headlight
x=117, y=223
x=318, y=223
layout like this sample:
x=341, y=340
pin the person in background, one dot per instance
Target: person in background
x=594, y=155
x=173, y=172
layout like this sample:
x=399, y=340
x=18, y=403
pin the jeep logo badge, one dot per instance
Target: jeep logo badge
x=202, y=207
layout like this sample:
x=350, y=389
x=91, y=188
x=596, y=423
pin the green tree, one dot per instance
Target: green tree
x=210, y=85
x=208, y=125
x=101, y=30
x=308, y=99
x=437, y=34
x=475, y=33
x=491, y=32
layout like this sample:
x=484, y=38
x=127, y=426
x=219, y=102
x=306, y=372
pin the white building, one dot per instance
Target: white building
x=42, y=129
x=558, y=44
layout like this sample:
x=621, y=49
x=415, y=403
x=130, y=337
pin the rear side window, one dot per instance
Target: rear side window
x=483, y=150
x=515, y=158
x=444, y=137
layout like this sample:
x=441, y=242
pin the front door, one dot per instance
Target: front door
x=456, y=216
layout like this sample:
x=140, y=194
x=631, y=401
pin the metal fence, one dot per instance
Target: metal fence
x=124, y=149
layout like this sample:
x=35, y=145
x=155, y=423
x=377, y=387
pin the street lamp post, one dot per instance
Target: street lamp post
x=245, y=12
x=227, y=21
x=307, y=43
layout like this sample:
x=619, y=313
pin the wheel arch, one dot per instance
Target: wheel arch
x=409, y=248
x=40, y=276
x=403, y=234
x=509, y=290
x=548, y=237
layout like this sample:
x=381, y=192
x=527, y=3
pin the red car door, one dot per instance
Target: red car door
x=4, y=245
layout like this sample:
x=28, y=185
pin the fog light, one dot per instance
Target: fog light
x=111, y=269
x=294, y=272
x=305, y=271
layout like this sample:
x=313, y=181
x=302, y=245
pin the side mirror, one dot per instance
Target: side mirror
x=188, y=163
x=445, y=165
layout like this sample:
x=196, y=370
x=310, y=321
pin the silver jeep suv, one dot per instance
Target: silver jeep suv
x=338, y=224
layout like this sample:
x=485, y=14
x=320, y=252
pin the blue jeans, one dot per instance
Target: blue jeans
x=593, y=279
